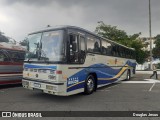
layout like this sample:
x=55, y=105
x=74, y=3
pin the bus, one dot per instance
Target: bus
x=67, y=60
x=11, y=63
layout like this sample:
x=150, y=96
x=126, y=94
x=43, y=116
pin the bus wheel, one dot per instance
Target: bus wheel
x=89, y=85
x=128, y=75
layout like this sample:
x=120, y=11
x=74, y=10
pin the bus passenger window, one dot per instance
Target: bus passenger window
x=3, y=57
x=106, y=48
x=15, y=56
x=73, y=48
x=114, y=50
x=82, y=54
x=90, y=44
x=82, y=40
x=93, y=45
x=104, y=51
x=96, y=47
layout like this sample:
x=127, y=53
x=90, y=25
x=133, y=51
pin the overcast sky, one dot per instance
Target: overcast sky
x=20, y=17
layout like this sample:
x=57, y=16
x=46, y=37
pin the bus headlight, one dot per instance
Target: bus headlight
x=49, y=87
x=25, y=83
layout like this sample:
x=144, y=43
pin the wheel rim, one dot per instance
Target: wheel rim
x=90, y=84
x=128, y=76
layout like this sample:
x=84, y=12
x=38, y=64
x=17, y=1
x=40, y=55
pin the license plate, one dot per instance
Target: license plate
x=37, y=85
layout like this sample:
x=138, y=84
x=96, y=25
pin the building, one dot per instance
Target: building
x=146, y=42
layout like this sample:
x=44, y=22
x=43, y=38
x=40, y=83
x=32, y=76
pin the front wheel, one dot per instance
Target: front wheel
x=89, y=85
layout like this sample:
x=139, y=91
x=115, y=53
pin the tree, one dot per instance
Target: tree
x=3, y=38
x=111, y=32
x=120, y=36
x=156, y=50
x=24, y=42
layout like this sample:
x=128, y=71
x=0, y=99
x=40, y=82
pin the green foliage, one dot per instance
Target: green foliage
x=158, y=66
x=110, y=32
x=120, y=36
x=156, y=50
x=141, y=56
x=3, y=38
x=136, y=44
x=23, y=42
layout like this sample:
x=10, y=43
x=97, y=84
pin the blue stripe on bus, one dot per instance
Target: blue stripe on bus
x=105, y=72
x=38, y=66
x=78, y=86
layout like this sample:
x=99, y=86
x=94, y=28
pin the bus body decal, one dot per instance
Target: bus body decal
x=105, y=74
x=39, y=67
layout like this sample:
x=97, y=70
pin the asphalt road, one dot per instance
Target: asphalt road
x=116, y=97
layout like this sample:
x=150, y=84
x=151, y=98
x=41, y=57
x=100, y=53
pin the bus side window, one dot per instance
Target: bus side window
x=82, y=54
x=15, y=56
x=125, y=53
x=73, y=48
x=96, y=46
x=114, y=50
x=93, y=45
x=120, y=52
x=106, y=48
x=3, y=57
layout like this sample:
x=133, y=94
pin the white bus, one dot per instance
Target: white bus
x=68, y=60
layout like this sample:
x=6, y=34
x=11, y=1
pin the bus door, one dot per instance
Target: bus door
x=82, y=48
x=77, y=48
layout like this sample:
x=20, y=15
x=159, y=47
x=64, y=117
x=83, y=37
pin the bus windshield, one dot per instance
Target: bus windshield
x=46, y=46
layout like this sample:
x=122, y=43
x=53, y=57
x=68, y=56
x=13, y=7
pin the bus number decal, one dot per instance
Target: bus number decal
x=73, y=81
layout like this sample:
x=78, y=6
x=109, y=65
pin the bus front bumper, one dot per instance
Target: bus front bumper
x=45, y=86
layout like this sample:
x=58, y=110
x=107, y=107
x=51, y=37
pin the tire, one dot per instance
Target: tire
x=89, y=85
x=128, y=75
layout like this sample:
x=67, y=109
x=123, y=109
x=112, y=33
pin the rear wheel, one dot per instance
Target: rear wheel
x=89, y=85
x=128, y=75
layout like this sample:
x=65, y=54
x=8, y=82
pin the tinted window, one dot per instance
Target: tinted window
x=114, y=50
x=106, y=48
x=16, y=55
x=82, y=53
x=93, y=45
x=3, y=57
x=82, y=43
x=73, y=47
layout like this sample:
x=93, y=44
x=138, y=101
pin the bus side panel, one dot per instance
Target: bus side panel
x=10, y=73
x=108, y=70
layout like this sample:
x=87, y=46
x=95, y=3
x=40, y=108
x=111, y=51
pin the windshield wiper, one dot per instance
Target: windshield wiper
x=43, y=56
x=30, y=54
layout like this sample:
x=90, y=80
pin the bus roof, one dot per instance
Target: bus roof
x=77, y=28
x=8, y=46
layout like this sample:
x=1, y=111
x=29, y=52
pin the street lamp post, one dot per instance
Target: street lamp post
x=150, y=34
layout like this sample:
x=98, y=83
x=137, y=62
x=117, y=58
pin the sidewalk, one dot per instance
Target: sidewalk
x=146, y=72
